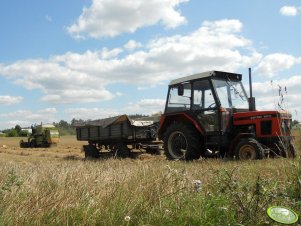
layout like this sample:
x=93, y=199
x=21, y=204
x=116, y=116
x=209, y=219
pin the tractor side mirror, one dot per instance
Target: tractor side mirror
x=181, y=90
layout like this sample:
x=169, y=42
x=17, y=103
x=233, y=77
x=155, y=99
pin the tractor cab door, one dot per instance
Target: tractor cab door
x=204, y=106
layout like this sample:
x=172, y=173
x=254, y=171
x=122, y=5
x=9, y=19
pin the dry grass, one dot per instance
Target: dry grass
x=57, y=187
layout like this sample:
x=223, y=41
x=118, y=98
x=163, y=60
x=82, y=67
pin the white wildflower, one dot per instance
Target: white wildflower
x=127, y=218
x=197, y=185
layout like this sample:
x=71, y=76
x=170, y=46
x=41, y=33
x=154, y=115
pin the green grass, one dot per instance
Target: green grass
x=145, y=192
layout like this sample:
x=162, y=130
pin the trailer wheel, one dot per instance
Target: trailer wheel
x=249, y=149
x=91, y=151
x=181, y=141
x=121, y=150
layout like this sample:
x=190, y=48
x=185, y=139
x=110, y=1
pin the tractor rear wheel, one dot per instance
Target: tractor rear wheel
x=182, y=141
x=249, y=149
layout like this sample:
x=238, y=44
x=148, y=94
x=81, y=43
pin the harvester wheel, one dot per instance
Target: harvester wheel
x=33, y=144
x=182, y=141
x=23, y=144
x=249, y=149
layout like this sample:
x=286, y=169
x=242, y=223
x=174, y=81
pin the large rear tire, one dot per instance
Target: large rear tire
x=249, y=149
x=182, y=141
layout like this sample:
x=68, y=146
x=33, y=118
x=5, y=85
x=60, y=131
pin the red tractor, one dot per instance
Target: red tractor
x=209, y=114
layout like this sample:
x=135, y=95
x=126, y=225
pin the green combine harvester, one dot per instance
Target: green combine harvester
x=42, y=136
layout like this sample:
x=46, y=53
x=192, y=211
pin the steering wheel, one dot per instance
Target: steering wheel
x=211, y=105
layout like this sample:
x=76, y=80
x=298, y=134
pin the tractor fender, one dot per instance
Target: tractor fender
x=166, y=120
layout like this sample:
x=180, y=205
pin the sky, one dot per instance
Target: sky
x=90, y=59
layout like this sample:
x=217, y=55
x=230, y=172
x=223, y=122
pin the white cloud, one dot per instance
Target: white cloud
x=78, y=78
x=8, y=100
x=289, y=10
x=275, y=63
x=106, y=18
x=27, y=118
x=144, y=106
x=91, y=113
x=132, y=44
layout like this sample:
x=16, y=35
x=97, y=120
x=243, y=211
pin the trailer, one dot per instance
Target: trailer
x=119, y=136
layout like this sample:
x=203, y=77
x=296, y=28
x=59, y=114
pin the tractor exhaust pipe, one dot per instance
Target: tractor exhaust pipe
x=252, y=105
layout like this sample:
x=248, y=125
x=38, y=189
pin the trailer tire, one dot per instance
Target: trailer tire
x=181, y=141
x=91, y=151
x=121, y=150
x=249, y=149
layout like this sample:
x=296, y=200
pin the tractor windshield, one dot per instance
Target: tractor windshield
x=231, y=94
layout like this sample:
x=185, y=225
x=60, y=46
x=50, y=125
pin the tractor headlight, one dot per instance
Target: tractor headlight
x=283, y=125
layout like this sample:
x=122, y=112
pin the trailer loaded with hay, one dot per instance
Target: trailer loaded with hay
x=119, y=136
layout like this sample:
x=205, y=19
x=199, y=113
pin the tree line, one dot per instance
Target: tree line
x=64, y=127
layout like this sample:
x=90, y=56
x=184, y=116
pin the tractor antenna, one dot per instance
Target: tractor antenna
x=250, y=82
x=252, y=105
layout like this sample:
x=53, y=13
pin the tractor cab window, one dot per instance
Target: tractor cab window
x=179, y=98
x=205, y=106
x=231, y=94
x=202, y=96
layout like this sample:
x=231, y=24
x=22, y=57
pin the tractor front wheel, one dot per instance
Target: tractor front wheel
x=249, y=149
x=181, y=141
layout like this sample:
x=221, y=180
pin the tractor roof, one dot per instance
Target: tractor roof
x=216, y=74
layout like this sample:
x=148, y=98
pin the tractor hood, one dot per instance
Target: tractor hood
x=253, y=115
x=266, y=123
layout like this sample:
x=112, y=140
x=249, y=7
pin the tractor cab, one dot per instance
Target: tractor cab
x=210, y=98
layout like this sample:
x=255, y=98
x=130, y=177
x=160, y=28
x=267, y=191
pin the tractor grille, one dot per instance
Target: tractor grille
x=286, y=126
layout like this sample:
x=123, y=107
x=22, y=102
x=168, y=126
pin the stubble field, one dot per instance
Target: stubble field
x=56, y=186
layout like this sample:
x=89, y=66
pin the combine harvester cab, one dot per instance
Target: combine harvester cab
x=210, y=114
x=45, y=135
